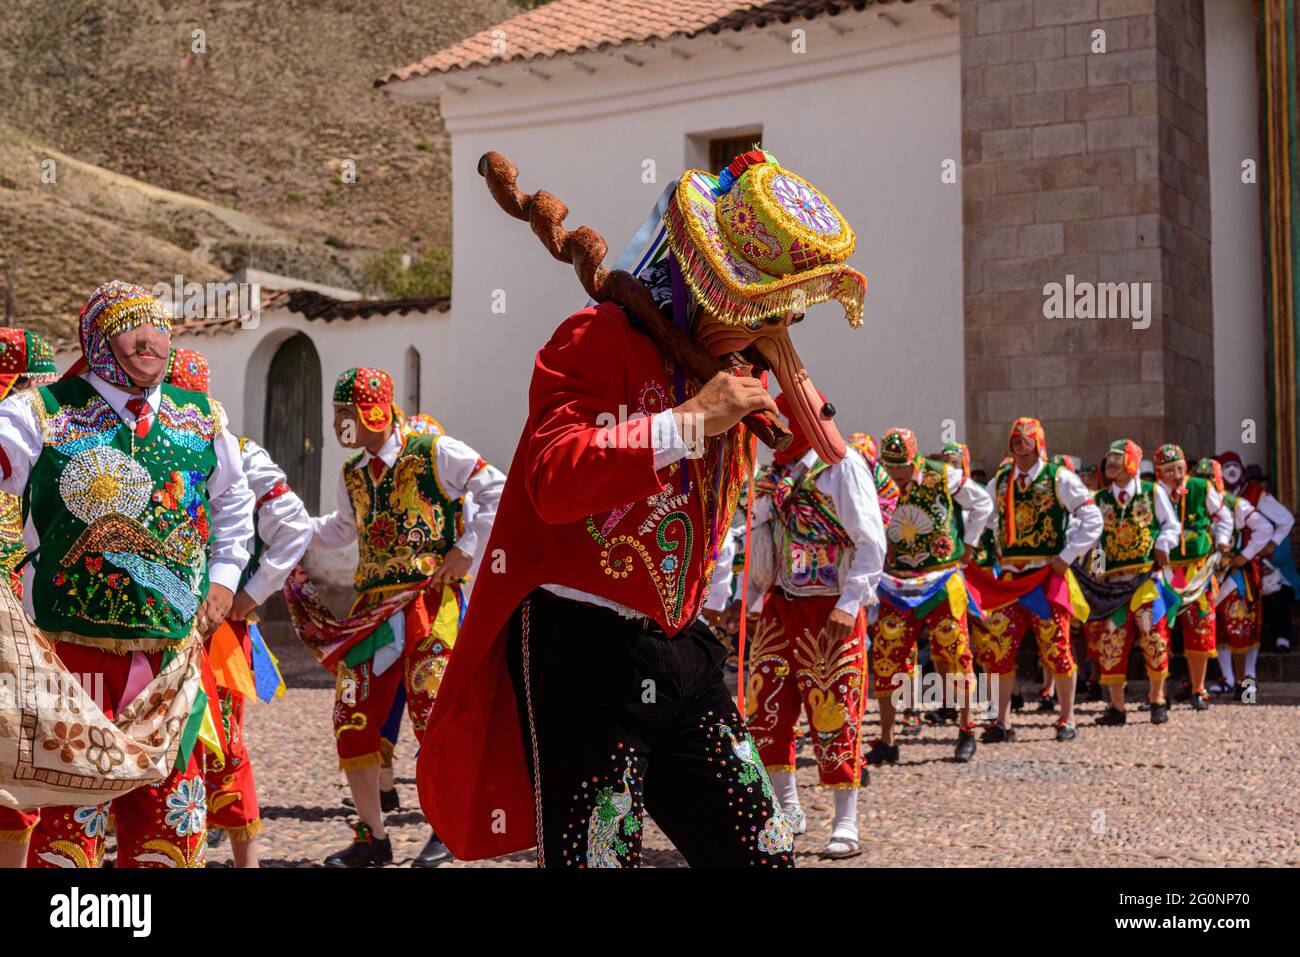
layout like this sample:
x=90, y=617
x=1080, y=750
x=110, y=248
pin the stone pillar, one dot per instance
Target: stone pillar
x=1092, y=165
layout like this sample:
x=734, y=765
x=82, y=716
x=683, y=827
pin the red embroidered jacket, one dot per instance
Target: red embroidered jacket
x=583, y=507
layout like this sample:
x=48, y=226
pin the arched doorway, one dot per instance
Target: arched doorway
x=293, y=427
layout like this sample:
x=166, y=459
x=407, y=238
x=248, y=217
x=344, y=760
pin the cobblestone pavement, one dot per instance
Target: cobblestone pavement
x=1215, y=788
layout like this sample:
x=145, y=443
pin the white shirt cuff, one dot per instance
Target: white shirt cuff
x=667, y=440
x=224, y=573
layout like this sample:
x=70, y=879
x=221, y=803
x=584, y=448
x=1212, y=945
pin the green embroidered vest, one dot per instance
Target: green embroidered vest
x=925, y=529
x=1040, y=516
x=406, y=522
x=1129, y=531
x=1193, y=509
x=123, y=521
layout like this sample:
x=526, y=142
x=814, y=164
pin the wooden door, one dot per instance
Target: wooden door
x=292, y=431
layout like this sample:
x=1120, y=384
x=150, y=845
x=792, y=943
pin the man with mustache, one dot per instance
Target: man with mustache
x=139, y=518
x=819, y=545
x=1043, y=516
x=1139, y=530
x=1206, y=532
x=932, y=533
x=585, y=689
x=1238, y=613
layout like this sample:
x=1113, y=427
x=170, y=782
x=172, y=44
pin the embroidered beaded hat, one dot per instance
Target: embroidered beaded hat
x=757, y=241
x=1132, y=453
x=371, y=390
x=187, y=369
x=1030, y=428
x=24, y=354
x=424, y=424
x=1210, y=469
x=113, y=308
x=1168, y=454
x=865, y=444
x=898, y=447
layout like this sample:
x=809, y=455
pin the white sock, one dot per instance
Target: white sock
x=786, y=789
x=1251, y=657
x=846, y=814
x=1225, y=664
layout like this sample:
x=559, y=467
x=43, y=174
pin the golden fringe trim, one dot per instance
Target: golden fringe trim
x=1114, y=679
x=719, y=296
x=1066, y=674
x=1207, y=654
x=360, y=763
x=16, y=837
x=778, y=767
x=243, y=834
x=386, y=749
x=842, y=786
x=1153, y=675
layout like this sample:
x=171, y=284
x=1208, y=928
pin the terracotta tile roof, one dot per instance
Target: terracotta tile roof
x=587, y=26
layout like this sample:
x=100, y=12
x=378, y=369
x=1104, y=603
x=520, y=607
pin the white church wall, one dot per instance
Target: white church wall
x=869, y=116
x=1240, y=351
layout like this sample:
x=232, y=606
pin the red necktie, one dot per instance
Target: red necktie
x=140, y=408
x=1123, y=497
x=1023, y=481
x=376, y=468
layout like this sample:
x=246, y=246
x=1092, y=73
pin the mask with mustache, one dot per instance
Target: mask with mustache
x=114, y=308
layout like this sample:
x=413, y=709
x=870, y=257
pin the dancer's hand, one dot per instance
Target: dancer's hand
x=242, y=606
x=839, y=625
x=1162, y=558
x=214, y=609
x=1239, y=561
x=454, y=568
x=1059, y=565
x=721, y=403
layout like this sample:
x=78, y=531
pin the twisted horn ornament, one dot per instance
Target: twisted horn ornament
x=585, y=249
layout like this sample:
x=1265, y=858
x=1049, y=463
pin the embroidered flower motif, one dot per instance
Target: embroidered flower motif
x=101, y=480
x=93, y=819
x=942, y=547
x=777, y=836
x=908, y=523
x=94, y=563
x=103, y=751
x=383, y=532
x=187, y=807
x=67, y=740
x=60, y=578
x=805, y=205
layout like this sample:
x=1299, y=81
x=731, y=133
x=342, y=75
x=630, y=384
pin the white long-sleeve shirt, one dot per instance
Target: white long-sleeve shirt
x=1171, y=529
x=1247, y=516
x=460, y=472
x=283, y=524
x=1083, y=529
x=230, y=500
x=1279, y=515
x=851, y=487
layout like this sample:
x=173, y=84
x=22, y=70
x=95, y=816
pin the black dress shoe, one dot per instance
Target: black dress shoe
x=995, y=733
x=1046, y=701
x=366, y=850
x=435, y=852
x=1065, y=732
x=1017, y=701
x=865, y=777
x=1113, y=717
x=882, y=753
x=965, y=744
x=1201, y=701
x=1159, y=713
x=388, y=802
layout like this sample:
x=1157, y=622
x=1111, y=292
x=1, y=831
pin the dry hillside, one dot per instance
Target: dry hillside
x=167, y=160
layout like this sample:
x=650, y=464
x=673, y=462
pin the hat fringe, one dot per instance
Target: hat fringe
x=801, y=291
